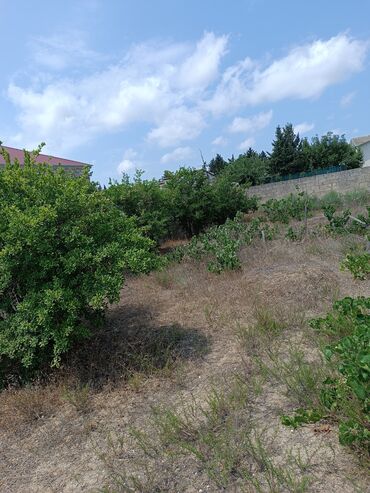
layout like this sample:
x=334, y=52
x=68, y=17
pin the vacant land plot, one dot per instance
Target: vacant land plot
x=184, y=388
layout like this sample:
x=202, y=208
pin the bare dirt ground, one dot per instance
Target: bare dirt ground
x=76, y=434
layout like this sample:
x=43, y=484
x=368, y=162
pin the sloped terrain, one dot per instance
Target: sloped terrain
x=183, y=389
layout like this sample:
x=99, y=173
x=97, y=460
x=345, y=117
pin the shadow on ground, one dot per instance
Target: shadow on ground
x=131, y=342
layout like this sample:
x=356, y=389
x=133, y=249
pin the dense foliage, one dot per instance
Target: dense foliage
x=289, y=155
x=293, y=206
x=220, y=245
x=187, y=202
x=346, y=395
x=330, y=150
x=286, y=156
x=64, y=248
x=146, y=201
x=358, y=264
x=217, y=164
x=249, y=169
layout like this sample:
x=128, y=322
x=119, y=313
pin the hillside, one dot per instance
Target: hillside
x=185, y=387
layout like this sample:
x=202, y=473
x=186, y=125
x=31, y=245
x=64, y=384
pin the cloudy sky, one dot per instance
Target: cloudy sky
x=127, y=84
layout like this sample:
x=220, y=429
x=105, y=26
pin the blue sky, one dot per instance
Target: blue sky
x=147, y=84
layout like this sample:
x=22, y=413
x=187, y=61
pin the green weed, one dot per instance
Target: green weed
x=344, y=395
x=358, y=265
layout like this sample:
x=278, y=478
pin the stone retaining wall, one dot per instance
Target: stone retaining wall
x=319, y=185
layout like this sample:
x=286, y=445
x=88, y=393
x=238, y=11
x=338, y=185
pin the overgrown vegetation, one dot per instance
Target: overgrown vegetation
x=66, y=246
x=290, y=155
x=347, y=396
x=294, y=206
x=186, y=204
x=344, y=393
x=64, y=249
x=220, y=244
x=358, y=265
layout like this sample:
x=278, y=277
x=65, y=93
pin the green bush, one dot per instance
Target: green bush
x=187, y=203
x=198, y=202
x=145, y=200
x=358, y=265
x=247, y=169
x=291, y=207
x=221, y=244
x=344, y=394
x=347, y=396
x=64, y=248
x=337, y=223
x=296, y=234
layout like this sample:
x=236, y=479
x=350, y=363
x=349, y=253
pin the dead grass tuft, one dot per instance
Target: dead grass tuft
x=27, y=406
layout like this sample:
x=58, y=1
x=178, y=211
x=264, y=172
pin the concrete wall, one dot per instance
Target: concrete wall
x=319, y=185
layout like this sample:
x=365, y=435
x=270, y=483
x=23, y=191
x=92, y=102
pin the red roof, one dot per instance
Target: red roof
x=41, y=158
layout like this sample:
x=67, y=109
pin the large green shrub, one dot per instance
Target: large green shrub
x=332, y=150
x=145, y=200
x=191, y=199
x=248, y=168
x=187, y=202
x=64, y=248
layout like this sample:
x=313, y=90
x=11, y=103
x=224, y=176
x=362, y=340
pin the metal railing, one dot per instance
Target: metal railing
x=306, y=174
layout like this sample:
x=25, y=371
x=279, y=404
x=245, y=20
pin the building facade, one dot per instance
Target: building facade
x=364, y=144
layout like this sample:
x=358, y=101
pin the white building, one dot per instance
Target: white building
x=364, y=144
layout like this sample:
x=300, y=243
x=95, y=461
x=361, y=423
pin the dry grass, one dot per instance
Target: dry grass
x=28, y=406
x=170, y=396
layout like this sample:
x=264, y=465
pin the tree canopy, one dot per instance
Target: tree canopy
x=64, y=249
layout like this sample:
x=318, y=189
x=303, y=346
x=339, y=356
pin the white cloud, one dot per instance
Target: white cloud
x=125, y=165
x=347, y=99
x=252, y=124
x=305, y=72
x=177, y=156
x=201, y=67
x=303, y=127
x=246, y=144
x=179, y=125
x=174, y=88
x=129, y=153
x=219, y=141
x=152, y=84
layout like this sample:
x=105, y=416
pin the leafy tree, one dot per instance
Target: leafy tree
x=190, y=199
x=64, y=247
x=197, y=202
x=147, y=201
x=332, y=150
x=248, y=168
x=286, y=156
x=229, y=198
x=263, y=155
x=216, y=165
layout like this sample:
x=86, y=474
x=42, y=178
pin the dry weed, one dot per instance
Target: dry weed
x=28, y=405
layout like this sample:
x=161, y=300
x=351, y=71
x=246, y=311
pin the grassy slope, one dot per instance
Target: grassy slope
x=184, y=388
